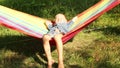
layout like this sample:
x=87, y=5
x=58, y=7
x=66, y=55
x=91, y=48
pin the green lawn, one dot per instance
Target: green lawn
x=97, y=46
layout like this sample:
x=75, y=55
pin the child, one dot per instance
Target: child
x=56, y=31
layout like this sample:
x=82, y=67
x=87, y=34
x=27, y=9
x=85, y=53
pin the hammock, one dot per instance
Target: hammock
x=35, y=26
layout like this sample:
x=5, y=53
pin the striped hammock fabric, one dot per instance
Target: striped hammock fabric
x=35, y=26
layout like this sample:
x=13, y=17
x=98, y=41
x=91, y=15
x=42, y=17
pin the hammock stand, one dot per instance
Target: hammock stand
x=35, y=26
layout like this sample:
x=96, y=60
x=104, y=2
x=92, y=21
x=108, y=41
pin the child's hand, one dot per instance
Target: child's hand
x=48, y=23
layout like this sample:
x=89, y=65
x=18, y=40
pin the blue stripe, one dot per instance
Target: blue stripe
x=19, y=27
x=94, y=13
x=21, y=21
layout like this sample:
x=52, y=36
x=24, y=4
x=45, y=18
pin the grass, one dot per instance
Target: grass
x=97, y=46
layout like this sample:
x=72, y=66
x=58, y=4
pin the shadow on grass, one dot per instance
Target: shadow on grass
x=107, y=30
x=25, y=47
x=112, y=30
x=115, y=12
x=74, y=66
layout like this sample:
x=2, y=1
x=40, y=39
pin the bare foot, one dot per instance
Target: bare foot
x=50, y=64
x=61, y=65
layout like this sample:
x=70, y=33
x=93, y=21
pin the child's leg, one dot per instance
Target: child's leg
x=46, y=39
x=59, y=45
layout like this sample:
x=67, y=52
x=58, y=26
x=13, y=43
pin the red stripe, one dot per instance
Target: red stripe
x=84, y=12
x=72, y=34
x=17, y=29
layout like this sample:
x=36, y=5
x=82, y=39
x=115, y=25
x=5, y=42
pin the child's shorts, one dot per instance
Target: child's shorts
x=62, y=27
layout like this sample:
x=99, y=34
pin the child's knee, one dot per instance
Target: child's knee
x=60, y=18
x=58, y=36
x=60, y=15
x=46, y=37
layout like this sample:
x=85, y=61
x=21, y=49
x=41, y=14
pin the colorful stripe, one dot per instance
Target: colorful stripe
x=109, y=4
x=35, y=26
x=92, y=12
x=23, y=23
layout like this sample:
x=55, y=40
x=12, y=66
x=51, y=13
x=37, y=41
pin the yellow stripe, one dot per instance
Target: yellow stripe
x=89, y=12
x=33, y=20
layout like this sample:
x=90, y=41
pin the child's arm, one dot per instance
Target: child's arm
x=49, y=24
